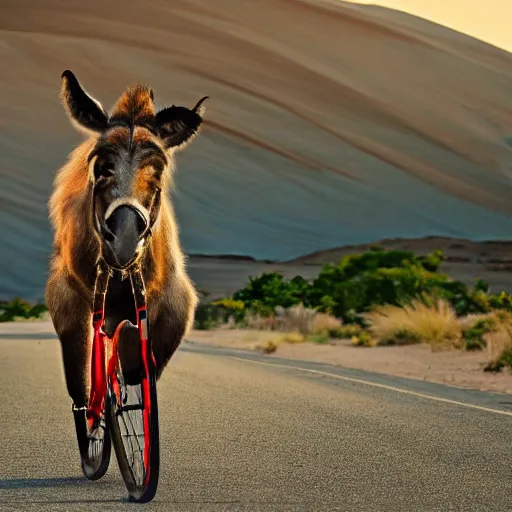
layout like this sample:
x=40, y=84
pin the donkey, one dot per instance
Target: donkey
x=113, y=189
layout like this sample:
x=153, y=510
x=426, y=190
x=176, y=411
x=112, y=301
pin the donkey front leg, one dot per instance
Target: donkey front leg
x=71, y=316
x=170, y=321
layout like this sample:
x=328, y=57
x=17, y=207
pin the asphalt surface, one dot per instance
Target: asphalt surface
x=250, y=433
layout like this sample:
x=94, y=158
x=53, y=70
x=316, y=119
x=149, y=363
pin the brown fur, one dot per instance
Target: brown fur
x=134, y=107
x=171, y=297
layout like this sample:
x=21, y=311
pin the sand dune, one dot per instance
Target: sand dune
x=329, y=123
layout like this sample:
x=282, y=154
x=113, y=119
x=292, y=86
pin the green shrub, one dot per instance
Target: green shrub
x=321, y=338
x=209, y=316
x=350, y=296
x=501, y=301
x=433, y=261
x=37, y=310
x=231, y=308
x=402, y=336
x=363, y=339
x=345, y=331
x=481, y=286
x=360, y=282
x=19, y=308
x=499, y=346
x=234, y=305
x=262, y=294
x=474, y=335
x=505, y=360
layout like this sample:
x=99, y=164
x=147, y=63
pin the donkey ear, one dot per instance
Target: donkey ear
x=177, y=126
x=85, y=112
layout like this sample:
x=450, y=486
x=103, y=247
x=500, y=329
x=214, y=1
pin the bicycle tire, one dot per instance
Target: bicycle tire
x=94, y=445
x=124, y=422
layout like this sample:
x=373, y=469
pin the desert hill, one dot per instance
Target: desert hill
x=329, y=124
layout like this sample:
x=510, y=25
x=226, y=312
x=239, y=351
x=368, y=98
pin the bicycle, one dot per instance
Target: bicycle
x=122, y=409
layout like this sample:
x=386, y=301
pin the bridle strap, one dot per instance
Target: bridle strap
x=138, y=288
x=103, y=275
x=100, y=291
x=155, y=203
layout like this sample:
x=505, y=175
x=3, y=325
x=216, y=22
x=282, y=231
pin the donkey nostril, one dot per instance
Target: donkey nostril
x=109, y=236
x=141, y=224
x=110, y=225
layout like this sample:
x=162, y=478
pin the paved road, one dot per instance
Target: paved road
x=239, y=434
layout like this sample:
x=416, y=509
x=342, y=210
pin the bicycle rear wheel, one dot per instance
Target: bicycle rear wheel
x=133, y=414
x=91, y=424
x=94, y=444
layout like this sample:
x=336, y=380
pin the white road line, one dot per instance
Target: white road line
x=381, y=386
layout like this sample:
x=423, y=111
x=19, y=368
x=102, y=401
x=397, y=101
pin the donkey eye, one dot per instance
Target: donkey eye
x=103, y=170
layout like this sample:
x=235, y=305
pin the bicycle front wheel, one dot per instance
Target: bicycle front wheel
x=133, y=416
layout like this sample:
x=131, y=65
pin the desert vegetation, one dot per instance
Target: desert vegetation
x=19, y=309
x=374, y=298
x=379, y=297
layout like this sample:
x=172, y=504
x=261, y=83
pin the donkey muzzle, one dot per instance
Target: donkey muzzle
x=125, y=227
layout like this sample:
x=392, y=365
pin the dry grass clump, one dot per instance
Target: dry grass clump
x=293, y=337
x=347, y=332
x=467, y=322
x=297, y=318
x=261, y=323
x=499, y=349
x=435, y=324
x=322, y=322
x=301, y=324
x=499, y=343
x=364, y=339
x=309, y=322
x=268, y=347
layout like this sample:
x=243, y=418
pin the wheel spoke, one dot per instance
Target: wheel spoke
x=129, y=436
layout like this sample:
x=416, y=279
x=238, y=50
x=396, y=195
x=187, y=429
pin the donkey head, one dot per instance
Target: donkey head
x=129, y=163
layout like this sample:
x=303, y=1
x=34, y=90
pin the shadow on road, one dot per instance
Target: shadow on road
x=45, y=483
x=27, y=483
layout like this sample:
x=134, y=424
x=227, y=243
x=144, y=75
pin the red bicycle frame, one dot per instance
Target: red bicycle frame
x=98, y=388
x=102, y=373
